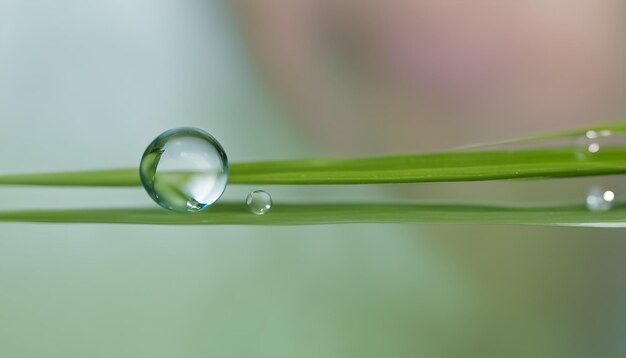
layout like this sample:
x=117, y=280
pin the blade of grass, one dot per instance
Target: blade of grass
x=98, y=178
x=339, y=213
x=449, y=166
x=619, y=128
x=439, y=167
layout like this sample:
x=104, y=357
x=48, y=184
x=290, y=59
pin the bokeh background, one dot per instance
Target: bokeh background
x=88, y=84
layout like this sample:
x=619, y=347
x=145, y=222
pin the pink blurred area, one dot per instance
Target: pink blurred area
x=356, y=72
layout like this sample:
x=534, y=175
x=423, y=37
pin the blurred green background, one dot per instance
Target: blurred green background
x=87, y=85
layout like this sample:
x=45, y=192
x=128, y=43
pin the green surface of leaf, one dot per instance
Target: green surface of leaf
x=339, y=213
x=440, y=167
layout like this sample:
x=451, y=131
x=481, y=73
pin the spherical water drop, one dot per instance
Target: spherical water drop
x=259, y=202
x=599, y=199
x=184, y=170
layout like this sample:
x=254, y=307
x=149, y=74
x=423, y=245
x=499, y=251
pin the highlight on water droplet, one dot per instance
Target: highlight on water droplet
x=259, y=202
x=184, y=170
x=599, y=199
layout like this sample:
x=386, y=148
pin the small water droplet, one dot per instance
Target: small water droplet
x=259, y=202
x=592, y=142
x=184, y=169
x=599, y=199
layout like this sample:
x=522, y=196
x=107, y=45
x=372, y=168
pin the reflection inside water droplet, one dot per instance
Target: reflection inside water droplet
x=259, y=202
x=599, y=199
x=184, y=170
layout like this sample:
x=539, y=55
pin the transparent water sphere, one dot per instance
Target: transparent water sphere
x=259, y=202
x=599, y=199
x=184, y=170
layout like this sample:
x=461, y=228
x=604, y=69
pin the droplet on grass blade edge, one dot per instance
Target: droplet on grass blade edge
x=259, y=202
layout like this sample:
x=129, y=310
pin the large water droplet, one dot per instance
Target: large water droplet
x=259, y=202
x=599, y=199
x=184, y=170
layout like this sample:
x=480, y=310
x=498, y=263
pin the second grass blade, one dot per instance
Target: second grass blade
x=339, y=213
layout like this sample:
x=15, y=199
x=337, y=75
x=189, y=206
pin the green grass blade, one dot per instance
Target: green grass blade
x=101, y=178
x=339, y=213
x=438, y=167
x=441, y=167
x=610, y=129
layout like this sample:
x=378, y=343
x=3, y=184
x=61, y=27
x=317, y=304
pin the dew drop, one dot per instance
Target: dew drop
x=592, y=142
x=184, y=170
x=259, y=202
x=599, y=199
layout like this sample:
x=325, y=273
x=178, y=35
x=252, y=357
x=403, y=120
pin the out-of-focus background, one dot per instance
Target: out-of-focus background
x=87, y=85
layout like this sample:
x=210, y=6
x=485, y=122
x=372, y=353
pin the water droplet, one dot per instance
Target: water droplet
x=591, y=143
x=184, y=170
x=259, y=202
x=599, y=199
